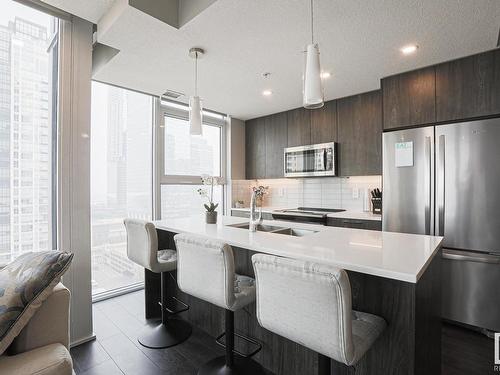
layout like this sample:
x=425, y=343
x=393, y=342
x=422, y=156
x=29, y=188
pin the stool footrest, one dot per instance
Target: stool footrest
x=246, y=338
x=174, y=312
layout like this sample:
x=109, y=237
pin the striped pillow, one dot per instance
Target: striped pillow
x=24, y=285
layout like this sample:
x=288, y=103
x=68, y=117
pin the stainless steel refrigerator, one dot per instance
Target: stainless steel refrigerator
x=445, y=180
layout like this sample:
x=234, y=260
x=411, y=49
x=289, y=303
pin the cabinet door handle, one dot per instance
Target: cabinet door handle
x=441, y=175
x=471, y=257
x=428, y=185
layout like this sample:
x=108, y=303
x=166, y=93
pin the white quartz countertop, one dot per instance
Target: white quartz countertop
x=359, y=215
x=395, y=256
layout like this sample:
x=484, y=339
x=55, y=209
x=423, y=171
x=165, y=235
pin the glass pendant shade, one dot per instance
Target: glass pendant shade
x=195, y=115
x=313, y=87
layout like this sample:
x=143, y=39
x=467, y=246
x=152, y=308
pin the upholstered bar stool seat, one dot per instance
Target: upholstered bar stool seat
x=206, y=270
x=311, y=304
x=142, y=248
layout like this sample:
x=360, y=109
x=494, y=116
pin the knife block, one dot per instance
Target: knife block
x=377, y=205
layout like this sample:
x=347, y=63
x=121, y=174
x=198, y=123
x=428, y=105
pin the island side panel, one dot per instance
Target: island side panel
x=394, y=352
x=393, y=300
x=279, y=355
x=428, y=320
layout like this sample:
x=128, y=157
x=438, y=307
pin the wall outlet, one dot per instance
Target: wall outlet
x=355, y=193
x=281, y=192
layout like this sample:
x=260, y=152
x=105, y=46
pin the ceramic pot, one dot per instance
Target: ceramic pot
x=211, y=217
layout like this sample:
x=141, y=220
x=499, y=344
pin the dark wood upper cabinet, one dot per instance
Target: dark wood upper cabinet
x=410, y=98
x=468, y=87
x=255, y=152
x=299, y=127
x=324, y=123
x=276, y=142
x=360, y=134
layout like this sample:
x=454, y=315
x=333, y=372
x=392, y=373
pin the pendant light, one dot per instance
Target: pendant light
x=195, y=105
x=312, y=85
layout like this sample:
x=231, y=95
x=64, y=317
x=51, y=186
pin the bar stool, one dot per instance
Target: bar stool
x=142, y=248
x=311, y=304
x=206, y=271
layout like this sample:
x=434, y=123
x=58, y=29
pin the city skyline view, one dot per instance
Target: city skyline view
x=26, y=147
x=121, y=150
x=121, y=176
x=121, y=155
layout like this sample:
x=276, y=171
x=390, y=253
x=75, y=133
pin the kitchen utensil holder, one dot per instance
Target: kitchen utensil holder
x=377, y=205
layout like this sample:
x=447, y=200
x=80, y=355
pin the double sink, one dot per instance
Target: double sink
x=296, y=232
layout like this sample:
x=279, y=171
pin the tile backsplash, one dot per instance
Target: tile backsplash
x=325, y=192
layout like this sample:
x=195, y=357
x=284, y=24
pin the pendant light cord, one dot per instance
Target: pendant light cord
x=312, y=22
x=196, y=74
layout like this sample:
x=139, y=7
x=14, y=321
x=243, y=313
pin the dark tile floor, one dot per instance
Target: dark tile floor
x=118, y=321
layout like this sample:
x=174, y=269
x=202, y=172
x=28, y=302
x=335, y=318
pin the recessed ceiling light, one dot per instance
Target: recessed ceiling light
x=409, y=49
x=325, y=75
x=267, y=92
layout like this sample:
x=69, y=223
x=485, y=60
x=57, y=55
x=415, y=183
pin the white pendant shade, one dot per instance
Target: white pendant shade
x=195, y=115
x=313, y=87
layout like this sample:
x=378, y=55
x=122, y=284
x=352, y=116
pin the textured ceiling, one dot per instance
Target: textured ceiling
x=359, y=43
x=90, y=10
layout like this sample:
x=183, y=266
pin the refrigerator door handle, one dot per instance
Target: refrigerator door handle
x=428, y=187
x=441, y=185
x=471, y=257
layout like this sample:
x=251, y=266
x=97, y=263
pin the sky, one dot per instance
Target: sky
x=9, y=9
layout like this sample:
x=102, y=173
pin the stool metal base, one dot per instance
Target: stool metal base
x=241, y=366
x=159, y=336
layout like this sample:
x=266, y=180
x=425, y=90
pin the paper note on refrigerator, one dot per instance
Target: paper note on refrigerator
x=404, y=154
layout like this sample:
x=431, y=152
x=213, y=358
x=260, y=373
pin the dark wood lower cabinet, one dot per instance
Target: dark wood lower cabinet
x=410, y=345
x=354, y=223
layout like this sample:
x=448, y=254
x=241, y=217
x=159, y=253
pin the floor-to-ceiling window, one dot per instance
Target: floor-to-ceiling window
x=28, y=84
x=122, y=174
x=186, y=158
x=121, y=177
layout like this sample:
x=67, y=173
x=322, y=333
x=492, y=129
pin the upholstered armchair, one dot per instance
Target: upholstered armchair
x=42, y=347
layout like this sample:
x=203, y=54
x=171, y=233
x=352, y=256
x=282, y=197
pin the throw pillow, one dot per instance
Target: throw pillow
x=24, y=284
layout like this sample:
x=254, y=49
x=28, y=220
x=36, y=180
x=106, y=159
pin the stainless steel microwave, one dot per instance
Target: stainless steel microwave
x=311, y=161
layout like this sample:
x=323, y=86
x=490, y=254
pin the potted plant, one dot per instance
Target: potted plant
x=210, y=207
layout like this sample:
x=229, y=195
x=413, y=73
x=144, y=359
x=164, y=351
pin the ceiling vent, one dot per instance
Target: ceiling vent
x=170, y=94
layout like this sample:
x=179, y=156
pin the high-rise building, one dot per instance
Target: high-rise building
x=5, y=109
x=117, y=154
x=25, y=141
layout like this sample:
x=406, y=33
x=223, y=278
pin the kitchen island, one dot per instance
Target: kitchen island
x=393, y=275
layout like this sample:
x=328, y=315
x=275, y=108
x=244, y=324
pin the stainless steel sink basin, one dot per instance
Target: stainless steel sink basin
x=296, y=232
x=260, y=227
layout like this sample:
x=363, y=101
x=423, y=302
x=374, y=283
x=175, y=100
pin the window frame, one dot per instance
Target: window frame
x=179, y=110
